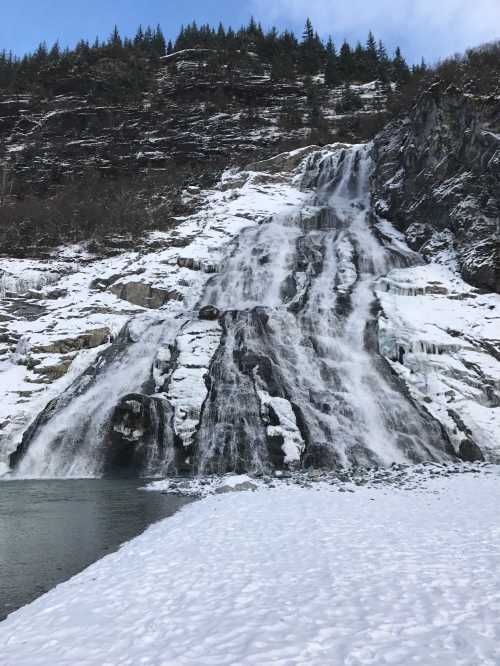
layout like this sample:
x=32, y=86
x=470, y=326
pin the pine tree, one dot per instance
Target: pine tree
x=332, y=77
x=371, y=57
x=115, y=41
x=159, y=44
x=55, y=53
x=400, y=70
x=345, y=62
x=349, y=102
x=311, y=51
x=360, y=71
x=282, y=67
x=383, y=63
x=139, y=36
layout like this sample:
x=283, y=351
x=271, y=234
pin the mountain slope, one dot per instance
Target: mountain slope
x=322, y=338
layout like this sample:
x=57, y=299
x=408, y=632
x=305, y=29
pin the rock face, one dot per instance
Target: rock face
x=229, y=122
x=438, y=180
x=138, y=441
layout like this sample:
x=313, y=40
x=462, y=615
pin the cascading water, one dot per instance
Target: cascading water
x=287, y=376
x=74, y=435
x=299, y=297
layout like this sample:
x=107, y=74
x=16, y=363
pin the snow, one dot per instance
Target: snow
x=288, y=575
x=293, y=445
x=240, y=201
x=445, y=328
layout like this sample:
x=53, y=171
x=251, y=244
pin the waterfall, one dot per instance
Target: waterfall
x=288, y=375
x=80, y=434
x=299, y=298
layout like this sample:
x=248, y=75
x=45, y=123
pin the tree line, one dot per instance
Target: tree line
x=289, y=56
x=285, y=54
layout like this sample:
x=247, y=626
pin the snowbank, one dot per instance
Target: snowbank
x=288, y=575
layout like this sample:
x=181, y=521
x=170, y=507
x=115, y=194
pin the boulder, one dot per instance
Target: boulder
x=209, y=312
x=144, y=295
x=239, y=487
x=470, y=452
x=88, y=340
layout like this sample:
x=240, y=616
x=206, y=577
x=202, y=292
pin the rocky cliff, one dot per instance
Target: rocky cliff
x=190, y=113
x=438, y=180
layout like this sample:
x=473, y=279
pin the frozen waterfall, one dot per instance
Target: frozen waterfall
x=285, y=374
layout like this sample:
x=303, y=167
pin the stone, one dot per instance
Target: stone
x=144, y=295
x=239, y=487
x=87, y=340
x=470, y=452
x=209, y=312
x=54, y=371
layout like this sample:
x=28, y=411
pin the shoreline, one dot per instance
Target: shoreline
x=287, y=575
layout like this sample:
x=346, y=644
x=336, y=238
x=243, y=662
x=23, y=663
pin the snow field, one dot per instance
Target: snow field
x=286, y=576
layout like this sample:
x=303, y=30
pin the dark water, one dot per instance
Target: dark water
x=51, y=530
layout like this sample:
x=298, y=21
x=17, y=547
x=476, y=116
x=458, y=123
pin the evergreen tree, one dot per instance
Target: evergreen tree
x=311, y=51
x=282, y=67
x=384, y=73
x=159, y=44
x=139, y=37
x=345, y=62
x=349, y=102
x=290, y=117
x=55, y=53
x=400, y=70
x=359, y=71
x=371, y=57
x=221, y=36
x=332, y=76
x=115, y=41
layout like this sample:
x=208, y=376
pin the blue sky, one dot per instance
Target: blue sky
x=432, y=28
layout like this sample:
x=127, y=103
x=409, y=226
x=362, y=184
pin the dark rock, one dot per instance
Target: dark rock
x=209, y=312
x=470, y=452
x=436, y=179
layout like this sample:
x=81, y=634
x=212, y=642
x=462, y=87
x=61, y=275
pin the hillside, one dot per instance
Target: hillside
x=245, y=308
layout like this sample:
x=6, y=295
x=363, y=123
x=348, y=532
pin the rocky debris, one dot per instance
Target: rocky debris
x=437, y=180
x=401, y=476
x=145, y=295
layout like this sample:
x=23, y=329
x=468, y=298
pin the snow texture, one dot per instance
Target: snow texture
x=288, y=575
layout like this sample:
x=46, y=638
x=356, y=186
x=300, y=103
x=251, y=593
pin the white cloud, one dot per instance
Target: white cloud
x=434, y=28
